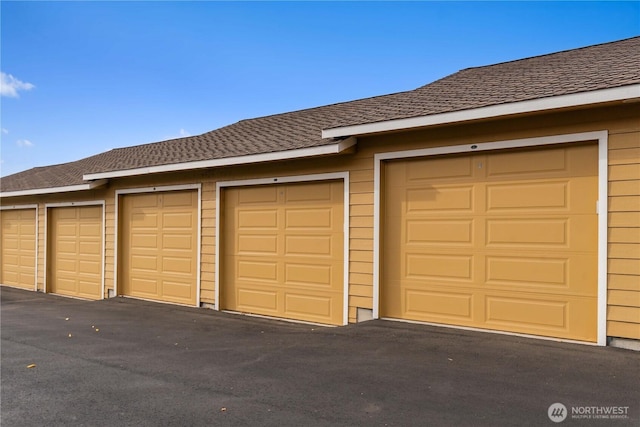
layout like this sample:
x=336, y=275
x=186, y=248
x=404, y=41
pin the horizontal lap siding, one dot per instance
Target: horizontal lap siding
x=208, y=244
x=623, y=314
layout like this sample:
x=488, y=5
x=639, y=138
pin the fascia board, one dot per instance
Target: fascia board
x=230, y=161
x=624, y=93
x=66, y=189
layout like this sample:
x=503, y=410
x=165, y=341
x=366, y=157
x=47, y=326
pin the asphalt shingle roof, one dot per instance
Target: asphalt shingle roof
x=586, y=69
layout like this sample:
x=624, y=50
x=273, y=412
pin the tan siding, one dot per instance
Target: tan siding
x=620, y=141
x=624, y=219
x=361, y=290
x=624, y=235
x=362, y=199
x=361, y=187
x=624, y=204
x=624, y=314
x=624, y=250
x=361, y=244
x=625, y=156
x=624, y=266
x=358, y=301
x=360, y=279
x=361, y=267
x=623, y=172
x=361, y=255
x=623, y=329
x=624, y=188
x=623, y=298
x=361, y=233
x=624, y=282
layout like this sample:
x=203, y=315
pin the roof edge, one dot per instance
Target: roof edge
x=229, y=161
x=621, y=93
x=69, y=188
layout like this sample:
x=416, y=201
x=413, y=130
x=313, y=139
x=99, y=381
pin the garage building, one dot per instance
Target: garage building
x=503, y=198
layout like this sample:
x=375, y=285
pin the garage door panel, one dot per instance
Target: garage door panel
x=261, y=300
x=10, y=243
x=177, y=242
x=88, y=267
x=178, y=199
x=254, y=195
x=526, y=163
x=264, y=244
x=142, y=241
x=439, y=304
x=308, y=245
x=260, y=271
x=439, y=266
x=177, y=265
x=159, y=246
x=144, y=219
x=439, y=232
x=144, y=262
x=12, y=259
x=178, y=291
x=542, y=196
x=180, y=220
x=574, y=233
x=438, y=199
x=437, y=168
x=309, y=219
x=523, y=243
x=258, y=218
x=308, y=307
x=144, y=287
x=308, y=275
x=529, y=232
x=318, y=192
x=283, y=250
x=523, y=311
x=571, y=317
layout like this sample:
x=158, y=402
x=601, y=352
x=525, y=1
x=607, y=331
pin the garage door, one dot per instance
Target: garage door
x=283, y=251
x=75, y=251
x=159, y=246
x=504, y=241
x=18, y=248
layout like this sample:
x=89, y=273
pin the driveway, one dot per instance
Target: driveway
x=124, y=362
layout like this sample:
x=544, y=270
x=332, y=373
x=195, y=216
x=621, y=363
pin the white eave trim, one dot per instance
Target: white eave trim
x=230, y=161
x=623, y=93
x=36, y=191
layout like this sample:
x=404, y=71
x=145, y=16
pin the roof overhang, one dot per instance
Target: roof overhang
x=36, y=191
x=624, y=93
x=335, y=148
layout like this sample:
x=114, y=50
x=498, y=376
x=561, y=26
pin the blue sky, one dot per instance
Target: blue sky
x=79, y=78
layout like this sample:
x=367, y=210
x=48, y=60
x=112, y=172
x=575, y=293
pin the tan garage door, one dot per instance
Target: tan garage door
x=159, y=246
x=283, y=251
x=18, y=248
x=504, y=241
x=75, y=251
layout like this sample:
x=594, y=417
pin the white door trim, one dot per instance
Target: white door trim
x=157, y=189
x=103, y=237
x=344, y=176
x=600, y=136
x=37, y=237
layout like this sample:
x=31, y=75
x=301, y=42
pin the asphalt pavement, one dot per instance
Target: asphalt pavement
x=125, y=362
